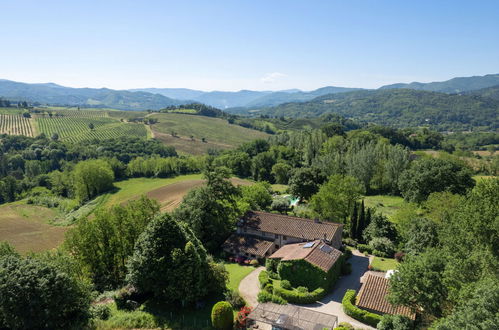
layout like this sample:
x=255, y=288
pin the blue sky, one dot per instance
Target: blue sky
x=233, y=45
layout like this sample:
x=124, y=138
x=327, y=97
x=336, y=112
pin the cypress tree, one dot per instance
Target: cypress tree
x=361, y=224
x=354, y=221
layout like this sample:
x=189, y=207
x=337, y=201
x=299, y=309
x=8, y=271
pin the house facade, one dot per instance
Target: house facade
x=260, y=234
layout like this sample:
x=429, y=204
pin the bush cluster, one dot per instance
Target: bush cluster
x=265, y=296
x=298, y=296
x=234, y=298
x=359, y=314
x=264, y=279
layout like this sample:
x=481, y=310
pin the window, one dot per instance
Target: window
x=245, y=229
x=276, y=246
x=276, y=236
x=284, y=238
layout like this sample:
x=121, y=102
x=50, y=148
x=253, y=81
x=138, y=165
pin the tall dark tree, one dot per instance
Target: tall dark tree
x=361, y=225
x=354, y=222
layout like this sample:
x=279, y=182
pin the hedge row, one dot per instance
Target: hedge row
x=296, y=297
x=359, y=314
x=263, y=278
x=265, y=296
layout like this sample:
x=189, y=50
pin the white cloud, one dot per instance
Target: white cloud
x=270, y=78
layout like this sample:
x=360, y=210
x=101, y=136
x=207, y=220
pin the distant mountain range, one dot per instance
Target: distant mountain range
x=244, y=100
x=400, y=108
x=454, y=85
x=54, y=94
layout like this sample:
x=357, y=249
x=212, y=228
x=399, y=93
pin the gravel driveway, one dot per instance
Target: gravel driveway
x=250, y=286
x=331, y=304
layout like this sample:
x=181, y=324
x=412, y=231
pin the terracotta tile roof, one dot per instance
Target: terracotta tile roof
x=372, y=296
x=317, y=253
x=290, y=226
x=247, y=244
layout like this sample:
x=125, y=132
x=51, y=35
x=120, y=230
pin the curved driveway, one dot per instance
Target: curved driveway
x=331, y=304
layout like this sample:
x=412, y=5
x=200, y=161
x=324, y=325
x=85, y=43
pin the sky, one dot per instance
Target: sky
x=243, y=44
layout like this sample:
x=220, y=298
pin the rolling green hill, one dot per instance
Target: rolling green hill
x=490, y=92
x=400, y=108
x=454, y=85
x=217, y=133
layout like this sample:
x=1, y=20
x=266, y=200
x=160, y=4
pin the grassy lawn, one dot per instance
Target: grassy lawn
x=27, y=228
x=236, y=274
x=384, y=264
x=280, y=188
x=388, y=205
x=134, y=188
x=154, y=316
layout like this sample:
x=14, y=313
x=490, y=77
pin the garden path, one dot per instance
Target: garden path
x=249, y=287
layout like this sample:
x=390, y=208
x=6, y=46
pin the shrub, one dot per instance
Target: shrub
x=346, y=268
x=132, y=320
x=364, y=248
x=383, y=245
x=399, y=256
x=221, y=316
x=100, y=311
x=271, y=265
x=263, y=278
x=234, y=298
x=347, y=254
x=302, y=289
x=297, y=297
x=269, y=288
x=344, y=326
x=127, y=297
x=379, y=254
x=242, y=317
x=254, y=263
x=264, y=296
x=286, y=285
x=359, y=314
x=394, y=322
x=278, y=300
x=349, y=241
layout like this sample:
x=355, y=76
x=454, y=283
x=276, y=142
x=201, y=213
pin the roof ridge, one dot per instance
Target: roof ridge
x=296, y=218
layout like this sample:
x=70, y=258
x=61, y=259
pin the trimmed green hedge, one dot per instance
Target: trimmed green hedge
x=353, y=311
x=264, y=279
x=264, y=296
x=296, y=297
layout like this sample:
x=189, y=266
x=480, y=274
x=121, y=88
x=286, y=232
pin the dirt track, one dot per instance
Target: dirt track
x=170, y=196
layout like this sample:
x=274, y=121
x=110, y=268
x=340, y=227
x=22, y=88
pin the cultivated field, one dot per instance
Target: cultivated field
x=26, y=227
x=15, y=124
x=218, y=133
x=168, y=192
x=73, y=125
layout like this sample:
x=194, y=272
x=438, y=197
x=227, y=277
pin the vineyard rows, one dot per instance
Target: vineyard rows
x=15, y=125
x=75, y=129
x=89, y=114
